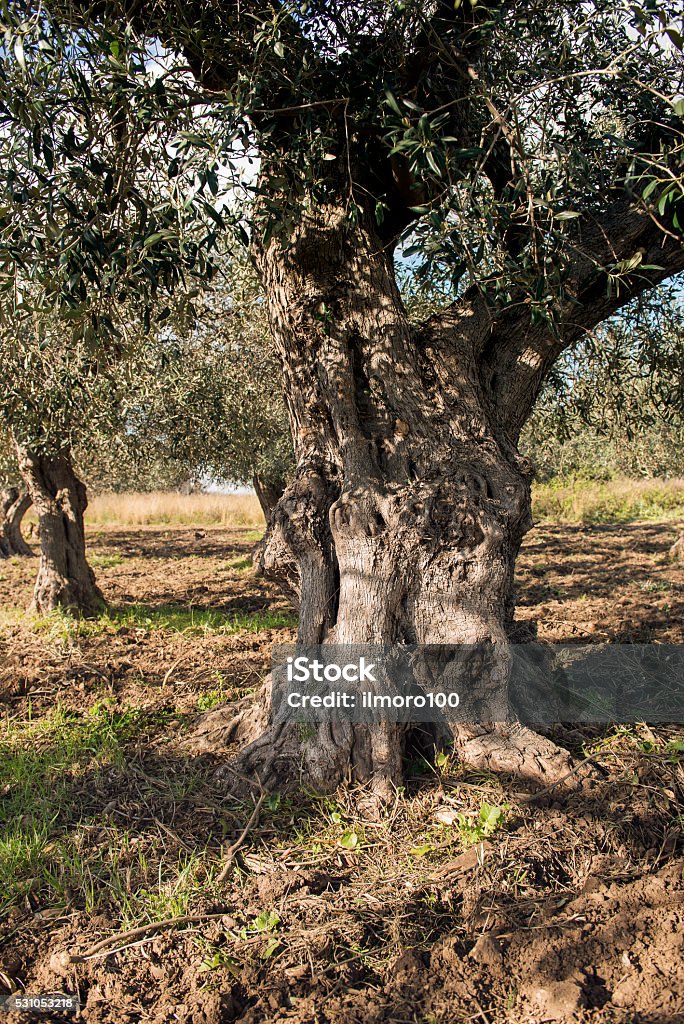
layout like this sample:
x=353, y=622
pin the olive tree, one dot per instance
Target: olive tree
x=531, y=152
x=53, y=395
x=203, y=399
x=214, y=402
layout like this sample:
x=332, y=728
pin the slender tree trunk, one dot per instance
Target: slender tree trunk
x=7, y=498
x=14, y=505
x=64, y=577
x=408, y=503
x=268, y=492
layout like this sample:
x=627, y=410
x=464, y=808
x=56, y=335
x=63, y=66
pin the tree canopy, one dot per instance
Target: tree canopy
x=496, y=140
x=203, y=400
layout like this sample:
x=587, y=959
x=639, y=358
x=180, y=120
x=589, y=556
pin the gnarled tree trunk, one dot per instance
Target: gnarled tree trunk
x=409, y=500
x=14, y=504
x=64, y=577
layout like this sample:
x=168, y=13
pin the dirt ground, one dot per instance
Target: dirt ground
x=473, y=899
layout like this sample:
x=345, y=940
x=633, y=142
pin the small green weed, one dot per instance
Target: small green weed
x=212, y=698
x=106, y=561
x=240, y=564
x=490, y=818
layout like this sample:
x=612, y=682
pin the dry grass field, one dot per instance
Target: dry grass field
x=575, y=501
x=613, y=501
x=474, y=899
x=160, y=508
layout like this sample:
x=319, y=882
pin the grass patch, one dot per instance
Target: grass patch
x=57, y=840
x=610, y=501
x=252, y=536
x=196, y=621
x=41, y=763
x=240, y=564
x=63, y=626
x=105, y=561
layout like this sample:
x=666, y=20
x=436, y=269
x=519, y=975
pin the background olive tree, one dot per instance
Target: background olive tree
x=203, y=399
x=82, y=184
x=614, y=404
x=14, y=501
x=214, y=403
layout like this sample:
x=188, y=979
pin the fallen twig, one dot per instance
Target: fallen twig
x=175, y=665
x=143, y=929
x=530, y=798
x=232, y=850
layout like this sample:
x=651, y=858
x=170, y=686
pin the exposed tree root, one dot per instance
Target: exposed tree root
x=218, y=730
x=280, y=757
x=271, y=756
x=284, y=756
x=513, y=749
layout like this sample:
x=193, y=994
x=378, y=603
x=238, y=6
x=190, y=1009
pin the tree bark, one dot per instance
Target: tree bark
x=14, y=505
x=408, y=503
x=64, y=577
x=409, y=500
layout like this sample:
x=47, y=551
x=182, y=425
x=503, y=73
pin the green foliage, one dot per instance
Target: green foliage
x=266, y=921
x=490, y=818
x=109, y=202
x=614, y=403
x=106, y=561
x=208, y=402
x=212, y=698
x=485, y=132
x=241, y=564
x=219, y=958
x=485, y=138
x=56, y=391
x=104, y=190
x=349, y=840
x=199, y=397
x=9, y=471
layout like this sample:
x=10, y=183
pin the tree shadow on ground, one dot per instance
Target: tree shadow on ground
x=638, y=552
x=178, y=542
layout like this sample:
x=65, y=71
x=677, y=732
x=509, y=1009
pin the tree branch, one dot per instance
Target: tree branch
x=216, y=39
x=515, y=354
x=435, y=73
x=518, y=354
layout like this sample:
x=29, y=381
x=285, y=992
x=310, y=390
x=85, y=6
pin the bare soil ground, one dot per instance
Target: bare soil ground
x=469, y=901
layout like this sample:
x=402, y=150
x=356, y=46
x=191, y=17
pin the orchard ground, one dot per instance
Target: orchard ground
x=472, y=900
